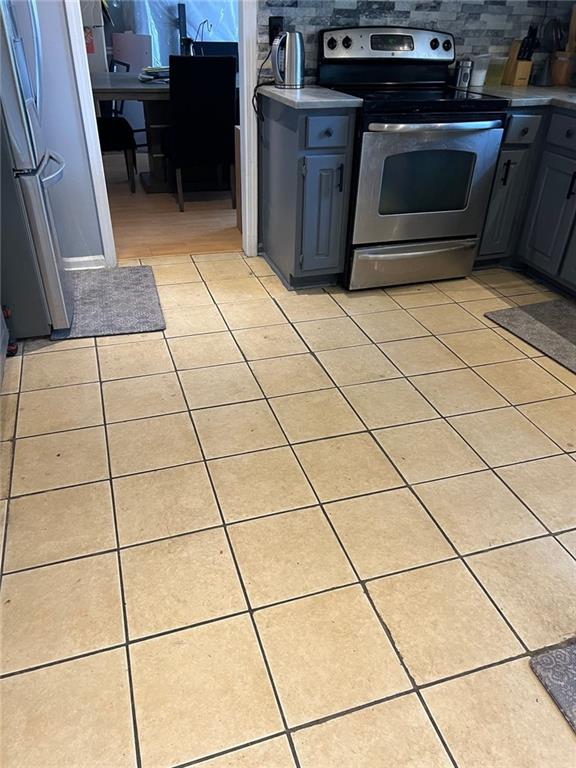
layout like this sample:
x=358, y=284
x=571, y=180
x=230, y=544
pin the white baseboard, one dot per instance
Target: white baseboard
x=86, y=262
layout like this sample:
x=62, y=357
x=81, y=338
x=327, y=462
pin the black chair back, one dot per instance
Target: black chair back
x=216, y=49
x=118, y=106
x=202, y=106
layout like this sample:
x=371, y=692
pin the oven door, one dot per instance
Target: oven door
x=425, y=181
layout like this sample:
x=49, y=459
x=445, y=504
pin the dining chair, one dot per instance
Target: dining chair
x=116, y=133
x=202, y=116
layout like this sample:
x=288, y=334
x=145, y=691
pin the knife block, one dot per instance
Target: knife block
x=516, y=72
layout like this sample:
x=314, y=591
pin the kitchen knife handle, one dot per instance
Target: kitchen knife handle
x=507, y=166
x=571, y=191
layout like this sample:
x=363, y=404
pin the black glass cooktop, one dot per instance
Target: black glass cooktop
x=424, y=100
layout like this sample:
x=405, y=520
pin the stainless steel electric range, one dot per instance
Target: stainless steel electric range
x=425, y=154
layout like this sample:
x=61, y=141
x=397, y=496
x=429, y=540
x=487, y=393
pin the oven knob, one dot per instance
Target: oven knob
x=347, y=42
x=434, y=43
x=447, y=45
x=332, y=43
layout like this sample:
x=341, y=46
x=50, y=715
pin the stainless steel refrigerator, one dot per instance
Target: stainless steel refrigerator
x=34, y=281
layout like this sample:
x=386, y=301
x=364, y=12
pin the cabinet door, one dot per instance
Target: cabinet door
x=507, y=194
x=551, y=212
x=323, y=210
x=568, y=269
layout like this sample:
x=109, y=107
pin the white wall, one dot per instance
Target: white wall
x=72, y=199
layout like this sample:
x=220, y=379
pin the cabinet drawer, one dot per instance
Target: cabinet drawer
x=562, y=131
x=327, y=131
x=522, y=129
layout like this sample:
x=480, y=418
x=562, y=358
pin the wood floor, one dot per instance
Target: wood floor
x=151, y=225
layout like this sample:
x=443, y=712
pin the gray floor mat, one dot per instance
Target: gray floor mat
x=549, y=326
x=556, y=670
x=114, y=301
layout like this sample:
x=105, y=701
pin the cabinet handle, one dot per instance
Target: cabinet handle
x=507, y=166
x=341, y=177
x=524, y=131
x=571, y=191
x=328, y=132
x=569, y=133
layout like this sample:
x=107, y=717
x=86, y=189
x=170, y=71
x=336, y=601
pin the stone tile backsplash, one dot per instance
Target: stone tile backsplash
x=479, y=27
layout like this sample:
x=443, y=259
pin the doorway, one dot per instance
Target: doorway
x=150, y=224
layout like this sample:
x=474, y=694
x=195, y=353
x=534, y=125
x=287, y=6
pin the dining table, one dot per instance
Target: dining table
x=155, y=98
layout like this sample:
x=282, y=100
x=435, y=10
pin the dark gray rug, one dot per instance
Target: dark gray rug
x=549, y=326
x=556, y=670
x=108, y=302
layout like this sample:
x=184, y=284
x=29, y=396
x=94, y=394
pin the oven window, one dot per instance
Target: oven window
x=426, y=180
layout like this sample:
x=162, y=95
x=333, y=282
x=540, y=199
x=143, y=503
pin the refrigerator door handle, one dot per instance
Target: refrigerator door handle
x=50, y=262
x=56, y=175
x=37, y=54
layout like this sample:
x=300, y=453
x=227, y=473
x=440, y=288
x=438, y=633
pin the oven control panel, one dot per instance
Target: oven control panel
x=392, y=43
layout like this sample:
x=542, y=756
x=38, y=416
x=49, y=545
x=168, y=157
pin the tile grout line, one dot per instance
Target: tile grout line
x=560, y=452
x=369, y=343
x=122, y=595
x=233, y=523
x=10, y=477
x=462, y=559
x=198, y=461
x=232, y=750
x=443, y=533
x=240, y=578
x=358, y=708
x=337, y=588
x=296, y=457
x=186, y=409
x=65, y=660
x=572, y=554
x=368, y=597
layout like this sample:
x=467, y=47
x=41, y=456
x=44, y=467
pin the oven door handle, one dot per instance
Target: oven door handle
x=424, y=251
x=480, y=125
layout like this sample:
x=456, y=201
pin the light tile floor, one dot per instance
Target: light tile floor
x=320, y=529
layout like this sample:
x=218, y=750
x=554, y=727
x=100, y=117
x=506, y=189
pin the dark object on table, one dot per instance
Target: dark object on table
x=202, y=111
x=216, y=49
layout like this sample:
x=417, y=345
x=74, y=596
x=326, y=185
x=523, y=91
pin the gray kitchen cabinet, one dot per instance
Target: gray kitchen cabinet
x=304, y=175
x=568, y=268
x=525, y=130
x=322, y=212
x=507, y=195
x=551, y=214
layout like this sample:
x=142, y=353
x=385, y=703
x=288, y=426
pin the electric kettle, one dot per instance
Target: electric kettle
x=292, y=74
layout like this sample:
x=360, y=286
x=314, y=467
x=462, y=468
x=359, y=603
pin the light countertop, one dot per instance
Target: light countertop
x=534, y=96
x=316, y=97
x=310, y=97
